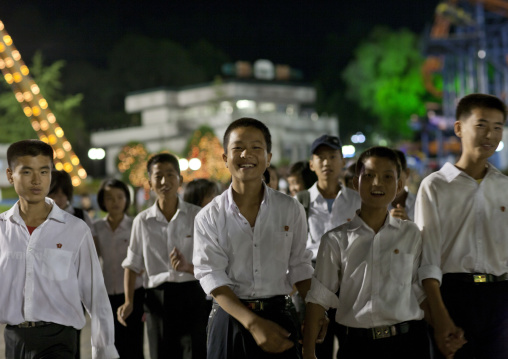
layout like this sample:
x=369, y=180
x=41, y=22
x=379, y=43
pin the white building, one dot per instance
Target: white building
x=169, y=117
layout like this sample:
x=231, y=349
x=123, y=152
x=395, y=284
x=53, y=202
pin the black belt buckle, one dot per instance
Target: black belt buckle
x=255, y=305
x=27, y=325
x=384, y=332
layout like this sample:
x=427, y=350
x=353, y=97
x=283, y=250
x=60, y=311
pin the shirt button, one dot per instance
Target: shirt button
x=255, y=270
x=28, y=299
x=255, y=245
x=29, y=249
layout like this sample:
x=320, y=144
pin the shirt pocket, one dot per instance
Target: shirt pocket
x=56, y=263
x=282, y=248
x=401, y=268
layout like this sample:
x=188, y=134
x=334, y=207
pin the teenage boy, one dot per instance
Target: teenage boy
x=49, y=268
x=462, y=212
x=374, y=261
x=329, y=204
x=160, y=247
x=403, y=206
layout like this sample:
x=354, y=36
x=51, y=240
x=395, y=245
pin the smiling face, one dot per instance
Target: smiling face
x=327, y=163
x=164, y=180
x=378, y=183
x=247, y=157
x=31, y=177
x=480, y=133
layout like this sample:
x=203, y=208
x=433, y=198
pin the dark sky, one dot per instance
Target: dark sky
x=290, y=32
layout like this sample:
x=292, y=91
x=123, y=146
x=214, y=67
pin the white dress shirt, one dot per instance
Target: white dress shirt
x=259, y=262
x=321, y=221
x=377, y=273
x=409, y=205
x=113, y=249
x=464, y=223
x=46, y=276
x=152, y=240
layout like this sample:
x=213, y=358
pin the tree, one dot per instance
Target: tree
x=385, y=79
x=16, y=126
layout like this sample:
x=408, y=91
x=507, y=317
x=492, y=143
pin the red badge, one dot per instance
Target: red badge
x=286, y=228
x=396, y=251
x=59, y=245
x=502, y=208
x=349, y=219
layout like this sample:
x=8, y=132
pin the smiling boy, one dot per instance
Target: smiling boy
x=461, y=210
x=49, y=268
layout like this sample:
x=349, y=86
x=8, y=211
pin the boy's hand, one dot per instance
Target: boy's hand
x=449, y=338
x=123, y=313
x=399, y=212
x=179, y=262
x=269, y=336
x=323, y=328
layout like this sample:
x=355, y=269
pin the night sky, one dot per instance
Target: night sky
x=286, y=32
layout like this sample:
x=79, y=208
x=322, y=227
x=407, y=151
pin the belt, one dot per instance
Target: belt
x=380, y=332
x=279, y=302
x=31, y=324
x=476, y=278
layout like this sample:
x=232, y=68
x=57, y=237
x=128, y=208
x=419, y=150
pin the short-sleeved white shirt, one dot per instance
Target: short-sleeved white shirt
x=113, y=249
x=321, y=221
x=258, y=262
x=152, y=240
x=464, y=223
x=377, y=273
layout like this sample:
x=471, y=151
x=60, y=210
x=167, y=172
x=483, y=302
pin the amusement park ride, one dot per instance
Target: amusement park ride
x=36, y=108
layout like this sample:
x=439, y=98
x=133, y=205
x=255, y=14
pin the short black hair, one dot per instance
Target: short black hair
x=402, y=158
x=162, y=158
x=302, y=169
x=377, y=151
x=113, y=183
x=196, y=190
x=61, y=180
x=250, y=122
x=28, y=148
x=478, y=100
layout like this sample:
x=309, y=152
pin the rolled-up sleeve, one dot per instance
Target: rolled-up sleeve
x=427, y=219
x=95, y=299
x=135, y=260
x=325, y=281
x=300, y=267
x=209, y=259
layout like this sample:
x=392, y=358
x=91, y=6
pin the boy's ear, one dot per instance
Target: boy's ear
x=399, y=185
x=225, y=159
x=8, y=171
x=311, y=166
x=457, y=128
x=356, y=182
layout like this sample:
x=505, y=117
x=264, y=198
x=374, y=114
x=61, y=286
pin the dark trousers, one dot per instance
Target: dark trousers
x=129, y=339
x=176, y=310
x=481, y=310
x=414, y=344
x=51, y=341
x=228, y=338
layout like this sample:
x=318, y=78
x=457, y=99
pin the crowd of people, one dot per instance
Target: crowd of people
x=348, y=254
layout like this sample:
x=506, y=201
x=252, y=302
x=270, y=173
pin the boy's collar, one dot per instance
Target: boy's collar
x=450, y=172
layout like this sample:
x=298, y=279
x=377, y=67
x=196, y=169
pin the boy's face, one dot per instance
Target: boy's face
x=378, y=183
x=295, y=184
x=164, y=180
x=31, y=177
x=327, y=163
x=247, y=157
x=480, y=133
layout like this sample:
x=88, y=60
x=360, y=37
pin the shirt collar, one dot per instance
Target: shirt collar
x=450, y=172
x=266, y=196
x=357, y=222
x=314, y=192
x=155, y=211
x=56, y=213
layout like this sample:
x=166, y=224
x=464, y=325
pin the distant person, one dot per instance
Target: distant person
x=349, y=176
x=374, y=260
x=160, y=247
x=462, y=212
x=200, y=192
x=112, y=237
x=50, y=268
x=249, y=251
x=403, y=206
x=274, y=178
x=300, y=177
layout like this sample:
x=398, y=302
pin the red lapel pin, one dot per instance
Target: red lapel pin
x=59, y=245
x=286, y=228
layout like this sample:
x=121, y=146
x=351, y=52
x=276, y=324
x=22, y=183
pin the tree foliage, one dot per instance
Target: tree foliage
x=384, y=78
x=16, y=126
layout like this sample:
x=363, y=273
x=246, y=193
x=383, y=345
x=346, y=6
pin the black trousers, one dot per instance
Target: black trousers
x=228, y=339
x=52, y=341
x=481, y=310
x=129, y=339
x=412, y=345
x=176, y=310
